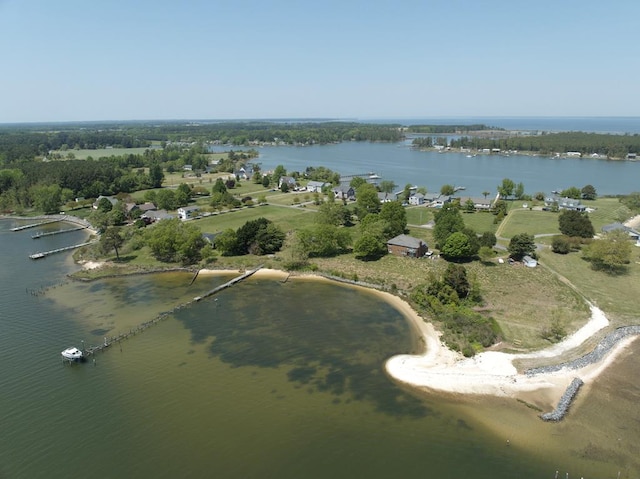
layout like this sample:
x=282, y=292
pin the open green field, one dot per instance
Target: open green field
x=480, y=221
x=101, y=152
x=286, y=218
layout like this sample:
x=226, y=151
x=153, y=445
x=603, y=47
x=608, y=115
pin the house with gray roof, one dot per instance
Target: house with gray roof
x=344, y=192
x=633, y=234
x=405, y=245
x=316, y=186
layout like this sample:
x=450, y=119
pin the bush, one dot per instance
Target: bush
x=561, y=245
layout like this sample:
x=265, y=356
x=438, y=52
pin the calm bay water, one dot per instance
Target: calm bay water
x=430, y=169
x=266, y=380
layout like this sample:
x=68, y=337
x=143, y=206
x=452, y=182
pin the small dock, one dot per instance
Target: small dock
x=51, y=233
x=33, y=225
x=245, y=275
x=43, y=254
x=109, y=341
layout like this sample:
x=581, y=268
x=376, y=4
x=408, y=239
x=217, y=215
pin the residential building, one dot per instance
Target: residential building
x=405, y=245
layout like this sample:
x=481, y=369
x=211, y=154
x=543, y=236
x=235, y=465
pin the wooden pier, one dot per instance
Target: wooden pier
x=51, y=233
x=33, y=225
x=110, y=341
x=43, y=254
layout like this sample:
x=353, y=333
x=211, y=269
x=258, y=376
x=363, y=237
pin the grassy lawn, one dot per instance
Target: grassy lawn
x=101, y=153
x=418, y=215
x=286, y=218
x=480, y=221
x=615, y=295
x=531, y=222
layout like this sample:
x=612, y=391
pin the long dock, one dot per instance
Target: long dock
x=43, y=254
x=33, y=225
x=51, y=233
x=109, y=341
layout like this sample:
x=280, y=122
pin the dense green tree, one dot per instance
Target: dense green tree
x=500, y=207
x=331, y=213
x=369, y=247
x=572, y=192
x=611, y=253
x=278, y=173
x=367, y=200
x=166, y=199
x=259, y=236
x=111, y=239
x=488, y=239
x=632, y=201
x=575, y=223
x=507, y=187
x=447, y=190
x=519, y=191
x=324, y=240
x=589, y=192
x=105, y=205
x=387, y=186
x=156, y=176
x=175, y=241
x=227, y=242
x=456, y=276
x=219, y=186
x=521, y=245
x=47, y=199
x=469, y=206
x=183, y=194
x=406, y=193
x=457, y=247
x=266, y=181
x=395, y=214
x=560, y=245
x=447, y=220
x=356, y=182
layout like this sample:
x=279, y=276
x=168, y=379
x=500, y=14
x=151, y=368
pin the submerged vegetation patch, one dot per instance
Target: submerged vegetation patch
x=324, y=337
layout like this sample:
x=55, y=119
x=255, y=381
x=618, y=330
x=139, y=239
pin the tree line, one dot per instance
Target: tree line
x=611, y=146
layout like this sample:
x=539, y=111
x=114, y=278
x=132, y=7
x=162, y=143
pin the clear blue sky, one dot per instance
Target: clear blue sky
x=74, y=60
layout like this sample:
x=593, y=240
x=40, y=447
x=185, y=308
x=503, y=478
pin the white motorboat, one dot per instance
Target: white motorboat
x=72, y=354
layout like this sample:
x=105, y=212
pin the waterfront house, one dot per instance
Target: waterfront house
x=479, y=203
x=344, y=192
x=417, y=199
x=289, y=180
x=405, y=245
x=316, y=186
x=387, y=197
x=565, y=203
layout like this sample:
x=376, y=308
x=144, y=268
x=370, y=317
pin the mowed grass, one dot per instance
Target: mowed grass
x=616, y=295
x=288, y=219
x=480, y=221
x=529, y=221
x=101, y=152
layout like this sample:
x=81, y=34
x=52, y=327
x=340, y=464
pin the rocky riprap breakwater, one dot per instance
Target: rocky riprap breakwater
x=599, y=352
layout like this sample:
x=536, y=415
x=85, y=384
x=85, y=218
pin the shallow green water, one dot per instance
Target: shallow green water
x=264, y=380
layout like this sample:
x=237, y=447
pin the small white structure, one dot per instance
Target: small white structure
x=529, y=262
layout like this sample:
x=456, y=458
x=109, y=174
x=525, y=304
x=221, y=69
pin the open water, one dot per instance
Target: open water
x=266, y=380
x=403, y=165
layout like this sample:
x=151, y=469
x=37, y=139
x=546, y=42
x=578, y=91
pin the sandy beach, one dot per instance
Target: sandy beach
x=491, y=372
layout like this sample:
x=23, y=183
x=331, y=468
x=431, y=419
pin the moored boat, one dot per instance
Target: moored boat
x=73, y=354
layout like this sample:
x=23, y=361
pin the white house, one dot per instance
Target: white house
x=187, y=212
x=315, y=186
